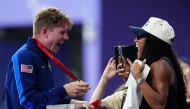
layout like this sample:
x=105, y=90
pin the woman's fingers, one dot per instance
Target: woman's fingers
x=129, y=62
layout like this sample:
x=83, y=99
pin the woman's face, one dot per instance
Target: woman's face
x=140, y=43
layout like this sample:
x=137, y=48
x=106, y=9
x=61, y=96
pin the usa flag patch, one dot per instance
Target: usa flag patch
x=26, y=68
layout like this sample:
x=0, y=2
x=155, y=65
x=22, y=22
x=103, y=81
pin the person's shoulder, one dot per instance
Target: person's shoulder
x=161, y=63
x=24, y=52
x=161, y=67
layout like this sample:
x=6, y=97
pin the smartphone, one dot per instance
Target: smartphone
x=126, y=51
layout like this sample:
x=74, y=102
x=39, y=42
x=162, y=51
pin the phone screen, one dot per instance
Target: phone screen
x=125, y=51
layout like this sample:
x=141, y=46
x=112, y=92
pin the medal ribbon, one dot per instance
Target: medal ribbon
x=55, y=60
x=96, y=104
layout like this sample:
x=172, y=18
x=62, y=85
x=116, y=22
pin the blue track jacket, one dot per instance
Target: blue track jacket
x=29, y=81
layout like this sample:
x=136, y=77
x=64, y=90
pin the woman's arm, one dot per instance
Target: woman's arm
x=156, y=94
x=107, y=75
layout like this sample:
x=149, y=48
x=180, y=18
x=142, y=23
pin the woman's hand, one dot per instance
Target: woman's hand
x=81, y=104
x=110, y=71
x=137, y=68
x=123, y=68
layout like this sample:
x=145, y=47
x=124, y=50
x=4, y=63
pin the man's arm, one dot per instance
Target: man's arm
x=26, y=83
x=25, y=78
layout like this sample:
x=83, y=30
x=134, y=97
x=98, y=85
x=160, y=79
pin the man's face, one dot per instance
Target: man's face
x=56, y=37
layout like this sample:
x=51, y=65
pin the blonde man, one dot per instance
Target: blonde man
x=29, y=81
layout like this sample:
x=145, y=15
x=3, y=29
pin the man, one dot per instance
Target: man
x=29, y=81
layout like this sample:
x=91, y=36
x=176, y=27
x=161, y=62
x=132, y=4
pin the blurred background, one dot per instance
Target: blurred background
x=99, y=25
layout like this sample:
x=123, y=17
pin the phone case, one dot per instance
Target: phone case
x=126, y=51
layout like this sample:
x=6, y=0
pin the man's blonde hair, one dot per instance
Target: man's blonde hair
x=50, y=17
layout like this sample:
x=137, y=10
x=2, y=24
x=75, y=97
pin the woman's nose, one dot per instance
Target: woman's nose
x=135, y=40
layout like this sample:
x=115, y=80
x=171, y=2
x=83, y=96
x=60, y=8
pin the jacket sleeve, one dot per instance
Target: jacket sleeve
x=25, y=77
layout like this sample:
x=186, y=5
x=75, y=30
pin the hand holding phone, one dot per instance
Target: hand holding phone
x=122, y=64
x=122, y=52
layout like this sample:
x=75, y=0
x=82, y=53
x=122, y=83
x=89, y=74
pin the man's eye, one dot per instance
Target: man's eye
x=63, y=32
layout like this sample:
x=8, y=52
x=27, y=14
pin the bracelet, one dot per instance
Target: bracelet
x=139, y=81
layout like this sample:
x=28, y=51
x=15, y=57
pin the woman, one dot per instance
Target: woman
x=114, y=101
x=164, y=86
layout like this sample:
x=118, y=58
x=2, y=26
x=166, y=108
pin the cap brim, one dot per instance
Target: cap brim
x=138, y=31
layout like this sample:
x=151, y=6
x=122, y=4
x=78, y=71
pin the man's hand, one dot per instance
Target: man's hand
x=77, y=88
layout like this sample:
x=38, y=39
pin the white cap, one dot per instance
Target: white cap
x=158, y=28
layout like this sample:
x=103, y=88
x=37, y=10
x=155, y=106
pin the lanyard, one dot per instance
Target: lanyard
x=55, y=60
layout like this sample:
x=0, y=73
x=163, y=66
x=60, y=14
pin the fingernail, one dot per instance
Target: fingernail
x=144, y=60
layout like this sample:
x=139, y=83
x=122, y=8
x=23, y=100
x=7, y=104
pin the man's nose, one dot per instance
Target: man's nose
x=66, y=36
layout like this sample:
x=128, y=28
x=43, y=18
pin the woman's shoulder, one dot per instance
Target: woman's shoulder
x=162, y=63
x=162, y=66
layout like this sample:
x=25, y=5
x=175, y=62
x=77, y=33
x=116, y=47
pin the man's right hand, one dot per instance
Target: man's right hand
x=77, y=88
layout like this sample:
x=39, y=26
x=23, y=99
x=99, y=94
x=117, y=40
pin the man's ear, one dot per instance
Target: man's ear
x=44, y=32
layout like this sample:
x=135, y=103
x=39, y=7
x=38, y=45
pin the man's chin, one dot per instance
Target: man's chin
x=55, y=51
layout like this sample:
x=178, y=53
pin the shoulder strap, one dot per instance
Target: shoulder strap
x=123, y=98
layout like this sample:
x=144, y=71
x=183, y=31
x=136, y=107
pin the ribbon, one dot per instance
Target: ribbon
x=55, y=60
x=96, y=104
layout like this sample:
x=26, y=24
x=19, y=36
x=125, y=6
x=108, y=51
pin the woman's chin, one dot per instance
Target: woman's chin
x=138, y=54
